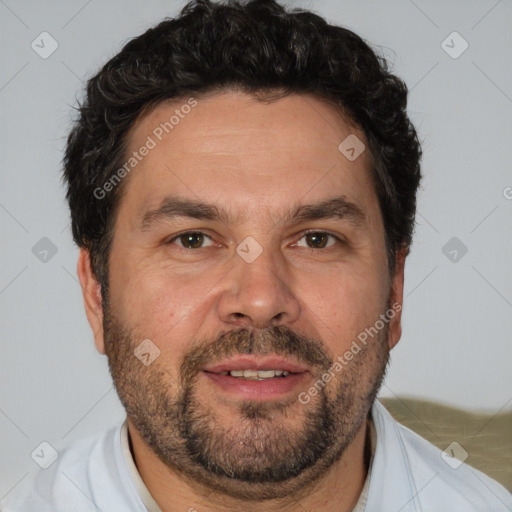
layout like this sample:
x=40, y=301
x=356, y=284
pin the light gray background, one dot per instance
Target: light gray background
x=456, y=346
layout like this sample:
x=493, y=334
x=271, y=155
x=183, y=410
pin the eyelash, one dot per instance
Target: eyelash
x=179, y=235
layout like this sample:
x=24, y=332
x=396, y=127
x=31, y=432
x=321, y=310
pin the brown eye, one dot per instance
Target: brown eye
x=319, y=239
x=190, y=239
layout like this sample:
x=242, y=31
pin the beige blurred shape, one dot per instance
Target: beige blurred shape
x=487, y=437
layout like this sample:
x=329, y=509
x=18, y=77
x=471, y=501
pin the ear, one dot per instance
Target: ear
x=91, y=291
x=396, y=298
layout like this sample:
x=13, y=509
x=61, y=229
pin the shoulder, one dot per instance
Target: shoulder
x=77, y=480
x=433, y=480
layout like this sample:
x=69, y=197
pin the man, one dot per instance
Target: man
x=242, y=182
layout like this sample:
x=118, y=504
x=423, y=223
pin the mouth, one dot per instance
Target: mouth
x=256, y=374
x=253, y=378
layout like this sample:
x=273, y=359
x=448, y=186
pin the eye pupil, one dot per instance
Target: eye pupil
x=315, y=237
x=194, y=240
x=188, y=239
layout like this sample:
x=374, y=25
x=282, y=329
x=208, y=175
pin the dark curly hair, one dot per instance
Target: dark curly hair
x=257, y=47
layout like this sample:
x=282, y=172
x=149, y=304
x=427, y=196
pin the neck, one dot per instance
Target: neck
x=337, y=490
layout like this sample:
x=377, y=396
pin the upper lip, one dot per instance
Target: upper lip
x=248, y=362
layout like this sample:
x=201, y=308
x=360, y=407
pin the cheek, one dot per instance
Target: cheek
x=351, y=294
x=344, y=303
x=162, y=304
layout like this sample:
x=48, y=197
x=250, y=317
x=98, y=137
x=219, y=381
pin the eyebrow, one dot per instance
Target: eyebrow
x=335, y=208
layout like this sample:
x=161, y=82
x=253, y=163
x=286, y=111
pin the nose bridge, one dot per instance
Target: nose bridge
x=259, y=291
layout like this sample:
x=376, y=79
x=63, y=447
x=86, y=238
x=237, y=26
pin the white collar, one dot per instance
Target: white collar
x=148, y=500
x=152, y=506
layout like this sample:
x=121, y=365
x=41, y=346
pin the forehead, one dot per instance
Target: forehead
x=249, y=155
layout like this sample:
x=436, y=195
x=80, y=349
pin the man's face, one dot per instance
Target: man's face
x=257, y=290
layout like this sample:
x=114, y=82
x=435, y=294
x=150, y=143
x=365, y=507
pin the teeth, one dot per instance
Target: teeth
x=257, y=374
x=265, y=374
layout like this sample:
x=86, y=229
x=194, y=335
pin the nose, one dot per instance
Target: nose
x=258, y=294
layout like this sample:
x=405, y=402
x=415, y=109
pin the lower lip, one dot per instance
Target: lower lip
x=278, y=387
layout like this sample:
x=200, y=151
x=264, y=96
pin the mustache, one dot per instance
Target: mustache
x=279, y=340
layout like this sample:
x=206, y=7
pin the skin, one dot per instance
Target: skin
x=260, y=159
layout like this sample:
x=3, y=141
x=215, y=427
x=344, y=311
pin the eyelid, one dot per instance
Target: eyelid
x=187, y=232
x=302, y=235
x=324, y=232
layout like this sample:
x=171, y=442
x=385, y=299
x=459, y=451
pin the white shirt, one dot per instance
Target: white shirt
x=407, y=474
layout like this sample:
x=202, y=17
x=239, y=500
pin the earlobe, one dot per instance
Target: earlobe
x=91, y=291
x=397, y=293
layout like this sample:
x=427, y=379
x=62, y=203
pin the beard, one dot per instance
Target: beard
x=264, y=450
